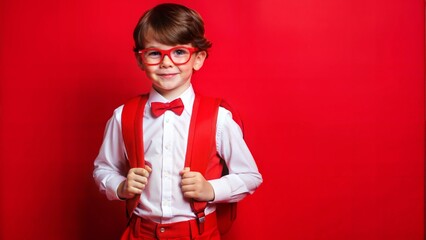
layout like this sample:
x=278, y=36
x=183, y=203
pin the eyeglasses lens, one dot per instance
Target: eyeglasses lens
x=177, y=55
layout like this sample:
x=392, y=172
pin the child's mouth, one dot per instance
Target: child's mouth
x=167, y=75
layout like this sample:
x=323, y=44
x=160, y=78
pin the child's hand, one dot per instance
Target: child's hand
x=137, y=178
x=195, y=186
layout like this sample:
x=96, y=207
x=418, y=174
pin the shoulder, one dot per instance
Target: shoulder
x=133, y=104
x=218, y=101
x=117, y=113
x=224, y=113
x=227, y=121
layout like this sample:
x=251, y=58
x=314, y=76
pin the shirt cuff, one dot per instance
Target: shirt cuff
x=222, y=189
x=113, y=184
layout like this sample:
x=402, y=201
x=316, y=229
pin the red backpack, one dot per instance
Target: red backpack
x=203, y=158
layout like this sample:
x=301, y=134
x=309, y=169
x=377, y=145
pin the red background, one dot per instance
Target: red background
x=331, y=91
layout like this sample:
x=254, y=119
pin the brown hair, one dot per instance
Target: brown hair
x=171, y=24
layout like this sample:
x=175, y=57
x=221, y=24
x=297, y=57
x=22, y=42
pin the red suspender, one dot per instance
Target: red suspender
x=131, y=124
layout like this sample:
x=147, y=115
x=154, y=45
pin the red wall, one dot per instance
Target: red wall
x=331, y=91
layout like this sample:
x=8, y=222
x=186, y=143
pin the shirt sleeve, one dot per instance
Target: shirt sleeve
x=244, y=177
x=110, y=166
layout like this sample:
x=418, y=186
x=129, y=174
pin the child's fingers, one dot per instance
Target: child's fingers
x=137, y=179
x=192, y=178
x=195, y=175
x=137, y=186
x=148, y=168
x=141, y=171
x=190, y=194
x=133, y=191
x=188, y=181
x=185, y=170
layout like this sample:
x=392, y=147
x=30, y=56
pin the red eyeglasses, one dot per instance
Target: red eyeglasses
x=179, y=55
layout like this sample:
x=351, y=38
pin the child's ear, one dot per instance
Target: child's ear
x=199, y=60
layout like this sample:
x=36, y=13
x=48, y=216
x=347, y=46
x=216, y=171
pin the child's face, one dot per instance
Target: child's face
x=168, y=79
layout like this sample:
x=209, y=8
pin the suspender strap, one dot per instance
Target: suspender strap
x=131, y=122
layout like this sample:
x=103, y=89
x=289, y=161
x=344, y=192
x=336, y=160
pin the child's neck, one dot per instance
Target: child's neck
x=172, y=94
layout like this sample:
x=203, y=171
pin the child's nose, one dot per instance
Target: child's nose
x=166, y=62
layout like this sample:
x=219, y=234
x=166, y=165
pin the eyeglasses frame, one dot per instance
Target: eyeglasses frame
x=167, y=52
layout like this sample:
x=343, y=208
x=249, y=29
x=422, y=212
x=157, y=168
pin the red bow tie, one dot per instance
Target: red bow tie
x=158, y=108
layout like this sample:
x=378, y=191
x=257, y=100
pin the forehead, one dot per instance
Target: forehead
x=162, y=40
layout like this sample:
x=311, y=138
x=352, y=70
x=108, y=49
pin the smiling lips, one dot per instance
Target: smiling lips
x=167, y=75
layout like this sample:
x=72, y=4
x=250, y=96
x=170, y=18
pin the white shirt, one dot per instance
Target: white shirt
x=165, y=141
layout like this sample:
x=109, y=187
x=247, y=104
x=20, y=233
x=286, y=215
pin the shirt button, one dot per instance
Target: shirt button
x=162, y=229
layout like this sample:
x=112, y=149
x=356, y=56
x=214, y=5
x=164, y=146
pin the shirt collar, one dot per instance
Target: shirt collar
x=187, y=98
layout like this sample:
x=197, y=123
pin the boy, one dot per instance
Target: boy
x=169, y=46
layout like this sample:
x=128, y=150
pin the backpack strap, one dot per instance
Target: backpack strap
x=226, y=213
x=132, y=126
x=203, y=129
x=200, y=158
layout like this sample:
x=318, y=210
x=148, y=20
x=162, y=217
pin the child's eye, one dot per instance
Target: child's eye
x=153, y=54
x=180, y=52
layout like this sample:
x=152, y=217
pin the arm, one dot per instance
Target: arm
x=110, y=165
x=244, y=177
x=111, y=170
